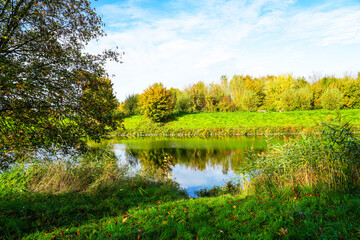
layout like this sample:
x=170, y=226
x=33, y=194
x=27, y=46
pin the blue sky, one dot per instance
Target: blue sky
x=181, y=42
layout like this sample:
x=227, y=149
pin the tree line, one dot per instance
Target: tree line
x=246, y=93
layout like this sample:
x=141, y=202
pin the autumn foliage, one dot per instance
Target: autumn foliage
x=157, y=102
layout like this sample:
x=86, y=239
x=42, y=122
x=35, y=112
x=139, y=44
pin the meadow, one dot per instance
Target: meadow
x=233, y=123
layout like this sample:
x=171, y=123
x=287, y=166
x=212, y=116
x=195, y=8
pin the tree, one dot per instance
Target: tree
x=331, y=99
x=303, y=98
x=130, y=105
x=237, y=88
x=287, y=100
x=197, y=94
x=214, y=96
x=274, y=88
x=183, y=102
x=44, y=73
x=97, y=105
x=156, y=102
x=250, y=101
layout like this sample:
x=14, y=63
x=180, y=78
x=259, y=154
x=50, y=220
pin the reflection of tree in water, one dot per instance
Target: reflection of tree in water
x=155, y=162
x=161, y=161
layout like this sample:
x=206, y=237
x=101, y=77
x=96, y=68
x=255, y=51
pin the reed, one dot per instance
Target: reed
x=328, y=161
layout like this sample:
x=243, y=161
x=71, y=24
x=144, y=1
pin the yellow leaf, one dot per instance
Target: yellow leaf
x=124, y=220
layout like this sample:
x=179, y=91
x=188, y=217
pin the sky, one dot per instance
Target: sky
x=181, y=42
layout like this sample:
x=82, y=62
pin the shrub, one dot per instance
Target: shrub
x=157, y=102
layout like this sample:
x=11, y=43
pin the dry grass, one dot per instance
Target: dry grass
x=62, y=177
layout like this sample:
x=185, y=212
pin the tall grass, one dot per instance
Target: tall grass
x=62, y=176
x=330, y=162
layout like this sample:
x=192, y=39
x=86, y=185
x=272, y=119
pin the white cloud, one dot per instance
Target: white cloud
x=227, y=37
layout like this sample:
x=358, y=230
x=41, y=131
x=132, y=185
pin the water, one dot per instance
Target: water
x=195, y=163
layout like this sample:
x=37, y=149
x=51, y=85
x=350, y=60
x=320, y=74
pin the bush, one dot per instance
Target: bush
x=157, y=102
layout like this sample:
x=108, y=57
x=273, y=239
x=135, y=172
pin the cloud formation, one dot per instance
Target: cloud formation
x=182, y=42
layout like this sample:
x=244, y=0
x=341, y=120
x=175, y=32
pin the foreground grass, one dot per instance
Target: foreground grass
x=24, y=213
x=272, y=215
x=238, y=122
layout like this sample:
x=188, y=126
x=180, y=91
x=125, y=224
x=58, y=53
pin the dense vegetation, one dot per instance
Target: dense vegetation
x=271, y=93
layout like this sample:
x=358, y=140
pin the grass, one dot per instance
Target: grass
x=31, y=201
x=238, y=122
x=266, y=216
x=305, y=189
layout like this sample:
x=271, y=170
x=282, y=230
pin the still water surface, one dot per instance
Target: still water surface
x=196, y=162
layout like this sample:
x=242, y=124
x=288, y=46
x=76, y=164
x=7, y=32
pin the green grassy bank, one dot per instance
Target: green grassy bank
x=267, y=216
x=136, y=208
x=233, y=123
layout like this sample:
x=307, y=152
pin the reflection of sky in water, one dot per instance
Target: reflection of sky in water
x=124, y=157
x=194, y=180
x=189, y=178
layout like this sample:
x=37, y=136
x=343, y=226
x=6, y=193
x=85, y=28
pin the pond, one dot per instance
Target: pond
x=194, y=163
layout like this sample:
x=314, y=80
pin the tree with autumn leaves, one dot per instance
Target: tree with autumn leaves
x=157, y=102
x=48, y=83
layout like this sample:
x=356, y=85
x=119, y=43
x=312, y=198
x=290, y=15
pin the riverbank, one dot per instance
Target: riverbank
x=122, y=207
x=237, y=123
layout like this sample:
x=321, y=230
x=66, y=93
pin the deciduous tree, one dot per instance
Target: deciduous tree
x=45, y=75
x=156, y=102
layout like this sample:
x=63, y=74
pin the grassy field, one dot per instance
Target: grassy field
x=238, y=122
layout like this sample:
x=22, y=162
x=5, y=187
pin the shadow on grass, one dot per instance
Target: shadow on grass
x=175, y=117
x=22, y=214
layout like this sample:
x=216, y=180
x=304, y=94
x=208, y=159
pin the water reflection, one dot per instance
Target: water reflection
x=193, y=163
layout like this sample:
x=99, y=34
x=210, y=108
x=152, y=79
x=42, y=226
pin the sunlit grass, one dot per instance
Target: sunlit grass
x=265, y=216
x=238, y=122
